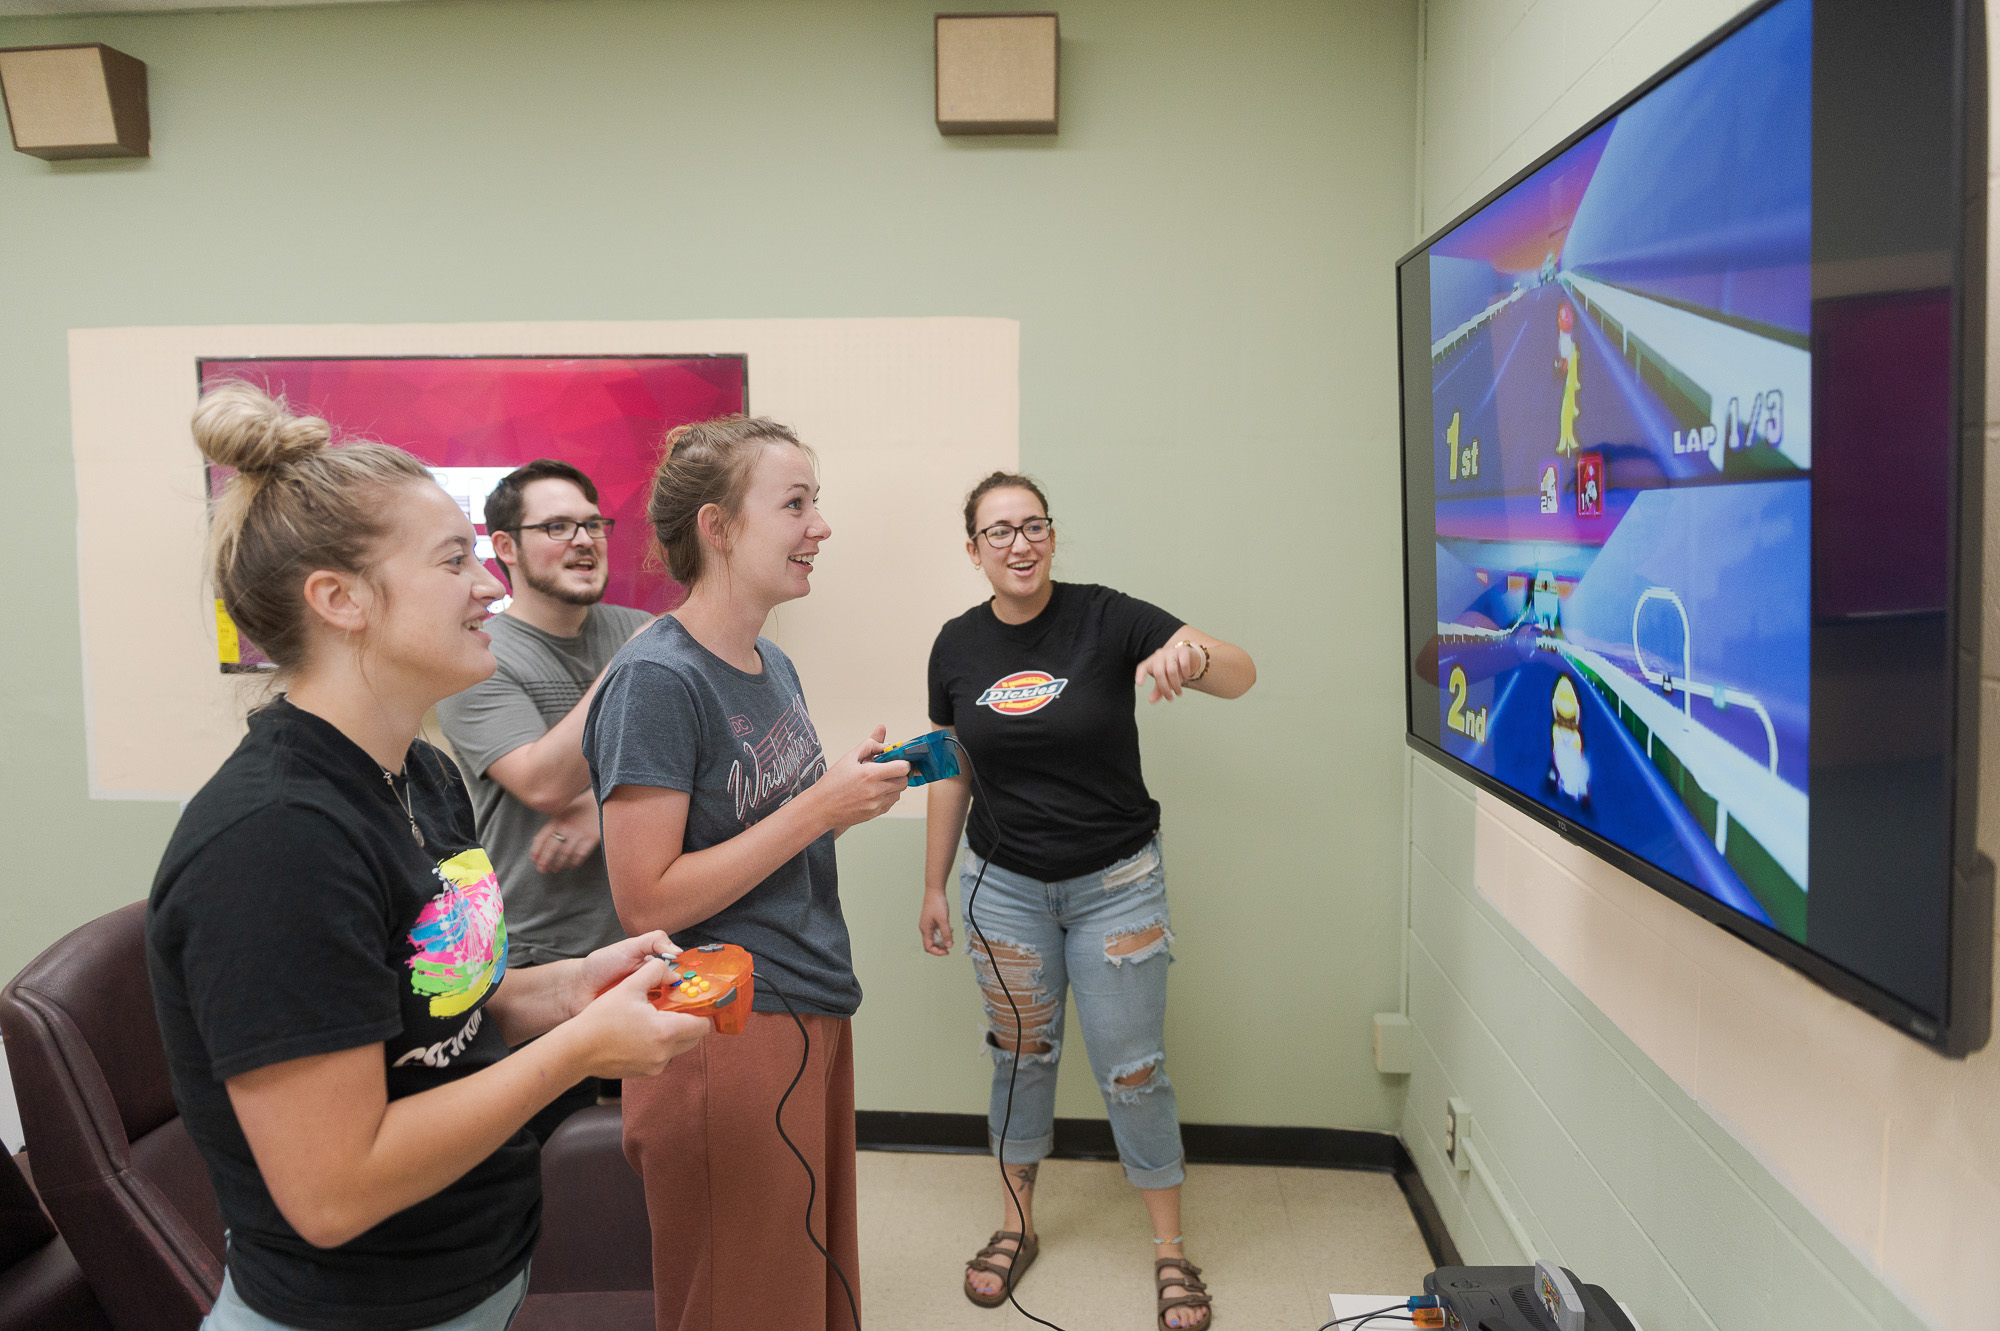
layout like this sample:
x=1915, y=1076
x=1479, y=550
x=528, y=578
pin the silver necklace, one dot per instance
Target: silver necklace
x=404, y=800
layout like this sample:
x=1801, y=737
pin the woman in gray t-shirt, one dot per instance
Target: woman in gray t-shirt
x=720, y=810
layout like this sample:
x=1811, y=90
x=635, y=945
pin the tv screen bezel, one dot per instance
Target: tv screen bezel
x=1969, y=938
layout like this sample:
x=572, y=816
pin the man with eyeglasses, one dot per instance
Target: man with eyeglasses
x=518, y=736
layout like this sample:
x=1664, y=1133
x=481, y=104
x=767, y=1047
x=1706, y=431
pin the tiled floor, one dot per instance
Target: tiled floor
x=1272, y=1243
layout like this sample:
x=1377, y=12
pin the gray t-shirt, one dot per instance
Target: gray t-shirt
x=541, y=677
x=672, y=714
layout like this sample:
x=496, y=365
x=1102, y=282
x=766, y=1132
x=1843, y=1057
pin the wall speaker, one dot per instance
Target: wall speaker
x=75, y=101
x=996, y=73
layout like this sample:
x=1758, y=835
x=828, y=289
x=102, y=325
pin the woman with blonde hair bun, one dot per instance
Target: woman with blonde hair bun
x=325, y=937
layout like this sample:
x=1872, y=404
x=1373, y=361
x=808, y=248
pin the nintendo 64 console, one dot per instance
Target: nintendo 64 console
x=1542, y=1297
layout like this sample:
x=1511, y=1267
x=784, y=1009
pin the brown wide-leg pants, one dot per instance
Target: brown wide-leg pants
x=727, y=1201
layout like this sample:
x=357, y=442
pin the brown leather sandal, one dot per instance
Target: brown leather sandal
x=1023, y=1255
x=1189, y=1279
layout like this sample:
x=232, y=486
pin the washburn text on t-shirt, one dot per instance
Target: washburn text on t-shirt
x=783, y=762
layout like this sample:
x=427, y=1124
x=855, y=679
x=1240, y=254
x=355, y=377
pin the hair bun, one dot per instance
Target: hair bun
x=239, y=425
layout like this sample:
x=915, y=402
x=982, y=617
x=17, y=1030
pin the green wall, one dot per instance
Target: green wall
x=1201, y=267
x=1608, y=1164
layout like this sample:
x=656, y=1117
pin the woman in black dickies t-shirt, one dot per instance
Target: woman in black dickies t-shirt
x=1038, y=685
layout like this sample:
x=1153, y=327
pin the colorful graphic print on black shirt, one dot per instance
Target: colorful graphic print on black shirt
x=1046, y=710
x=294, y=914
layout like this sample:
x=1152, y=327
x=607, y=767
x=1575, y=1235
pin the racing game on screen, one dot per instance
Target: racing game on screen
x=1622, y=449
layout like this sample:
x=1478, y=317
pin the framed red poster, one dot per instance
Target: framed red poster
x=473, y=419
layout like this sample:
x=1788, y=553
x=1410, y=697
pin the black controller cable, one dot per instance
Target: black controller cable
x=805, y=1060
x=1020, y=1034
x=1360, y=1320
x=1007, y=1116
x=812, y=1180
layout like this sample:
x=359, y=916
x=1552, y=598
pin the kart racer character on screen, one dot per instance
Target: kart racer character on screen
x=1566, y=362
x=1569, y=771
x=1622, y=628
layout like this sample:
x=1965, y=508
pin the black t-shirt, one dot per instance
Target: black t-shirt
x=295, y=914
x=1046, y=711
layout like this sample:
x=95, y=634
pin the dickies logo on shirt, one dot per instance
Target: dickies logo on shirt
x=1022, y=692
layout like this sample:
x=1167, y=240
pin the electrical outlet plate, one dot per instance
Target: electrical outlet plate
x=1457, y=1133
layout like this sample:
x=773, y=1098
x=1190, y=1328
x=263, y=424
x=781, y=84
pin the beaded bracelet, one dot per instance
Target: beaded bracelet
x=1205, y=660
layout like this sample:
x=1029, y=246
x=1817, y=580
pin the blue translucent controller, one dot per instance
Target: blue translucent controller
x=930, y=756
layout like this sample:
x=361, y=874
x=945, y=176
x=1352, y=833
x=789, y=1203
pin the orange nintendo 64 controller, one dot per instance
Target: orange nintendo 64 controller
x=713, y=980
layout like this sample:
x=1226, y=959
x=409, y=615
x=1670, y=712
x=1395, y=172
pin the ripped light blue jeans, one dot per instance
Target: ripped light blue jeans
x=1104, y=937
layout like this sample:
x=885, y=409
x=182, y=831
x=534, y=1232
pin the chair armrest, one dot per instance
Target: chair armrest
x=595, y=1236
x=45, y=1291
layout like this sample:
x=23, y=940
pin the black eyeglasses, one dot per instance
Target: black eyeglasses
x=563, y=529
x=1001, y=534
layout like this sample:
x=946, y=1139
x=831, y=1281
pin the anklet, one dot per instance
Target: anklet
x=1161, y=1243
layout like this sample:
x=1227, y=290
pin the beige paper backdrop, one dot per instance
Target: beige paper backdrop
x=904, y=413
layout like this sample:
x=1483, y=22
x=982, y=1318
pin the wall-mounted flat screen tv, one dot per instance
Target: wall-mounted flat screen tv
x=1692, y=478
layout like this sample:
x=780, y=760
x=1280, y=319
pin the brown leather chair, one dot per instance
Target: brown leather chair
x=41, y=1288
x=595, y=1235
x=127, y=1189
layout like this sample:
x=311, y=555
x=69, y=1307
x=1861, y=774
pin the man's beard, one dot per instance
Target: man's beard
x=555, y=591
